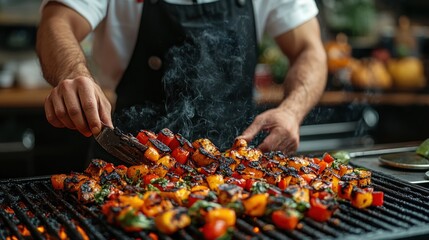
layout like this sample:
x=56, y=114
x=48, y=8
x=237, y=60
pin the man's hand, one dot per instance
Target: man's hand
x=303, y=86
x=283, y=128
x=76, y=101
x=79, y=104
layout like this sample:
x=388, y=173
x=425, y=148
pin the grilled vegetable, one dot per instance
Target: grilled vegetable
x=151, y=154
x=299, y=194
x=229, y=193
x=255, y=205
x=165, y=136
x=225, y=214
x=154, y=204
x=137, y=172
x=87, y=190
x=377, y=198
x=180, y=141
x=132, y=200
x=144, y=135
x=167, y=161
x=205, y=152
x=178, y=195
x=214, y=230
x=364, y=177
x=286, y=219
x=361, y=198
x=57, y=181
x=345, y=190
x=181, y=155
x=217, y=186
x=320, y=210
x=215, y=181
x=172, y=220
x=132, y=221
x=96, y=167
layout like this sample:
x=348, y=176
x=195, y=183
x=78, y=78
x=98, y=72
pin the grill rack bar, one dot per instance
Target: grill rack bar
x=405, y=214
x=38, y=213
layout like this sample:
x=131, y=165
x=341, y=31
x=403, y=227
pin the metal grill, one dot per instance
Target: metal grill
x=31, y=209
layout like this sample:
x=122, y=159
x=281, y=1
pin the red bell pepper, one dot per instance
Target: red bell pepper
x=144, y=135
x=214, y=229
x=236, y=181
x=180, y=141
x=274, y=191
x=328, y=158
x=308, y=177
x=322, y=165
x=148, y=178
x=180, y=154
x=377, y=198
x=236, y=175
x=165, y=136
x=318, y=210
x=317, y=160
x=287, y=219
x=284, y=183
x=249, y=183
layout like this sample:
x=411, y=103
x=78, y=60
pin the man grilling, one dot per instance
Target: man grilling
x=186, y=65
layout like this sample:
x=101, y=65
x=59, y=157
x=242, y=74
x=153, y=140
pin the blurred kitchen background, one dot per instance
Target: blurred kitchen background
x=377, y=92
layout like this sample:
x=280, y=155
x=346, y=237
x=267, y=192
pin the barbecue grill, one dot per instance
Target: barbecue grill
x=32, y=209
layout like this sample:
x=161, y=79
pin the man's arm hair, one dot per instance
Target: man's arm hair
x=58, y=43
x=307, y=76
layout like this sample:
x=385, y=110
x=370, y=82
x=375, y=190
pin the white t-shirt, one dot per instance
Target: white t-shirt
x=116, y=23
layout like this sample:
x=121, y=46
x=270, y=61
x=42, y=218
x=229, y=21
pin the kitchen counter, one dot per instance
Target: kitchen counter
x=35, y=97
x=409, y=175
x=369, y=158
x=274, y=94
x=30, y=97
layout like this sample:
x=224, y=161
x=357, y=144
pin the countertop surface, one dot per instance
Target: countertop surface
x=408, y=175
x=274, y=94
x=16, y=97
x=369, y=158
x=30, y=97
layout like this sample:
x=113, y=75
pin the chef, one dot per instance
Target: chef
x=187, y=65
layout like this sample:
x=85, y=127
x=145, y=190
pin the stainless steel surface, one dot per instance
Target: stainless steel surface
x=407, y=160
x=369, y=158
x=409, y=175
x=427, y=175
x=373, y=152
x=126, y=148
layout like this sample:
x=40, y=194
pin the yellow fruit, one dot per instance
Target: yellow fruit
x=370, y=73
x=407, y=73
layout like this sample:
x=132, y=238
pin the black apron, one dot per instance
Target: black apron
x=191, y=71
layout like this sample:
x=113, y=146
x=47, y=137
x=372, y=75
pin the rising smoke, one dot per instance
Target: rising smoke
x=208, y=92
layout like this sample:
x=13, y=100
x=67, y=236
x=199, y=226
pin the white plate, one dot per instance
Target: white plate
x=408, y=160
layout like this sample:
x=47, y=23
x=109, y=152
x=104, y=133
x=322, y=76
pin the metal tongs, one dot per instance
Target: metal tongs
x=123, y=146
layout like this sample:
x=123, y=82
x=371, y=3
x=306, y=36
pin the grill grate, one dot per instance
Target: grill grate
x=31, y=209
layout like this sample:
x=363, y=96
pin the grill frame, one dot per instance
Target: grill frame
x=405, y=215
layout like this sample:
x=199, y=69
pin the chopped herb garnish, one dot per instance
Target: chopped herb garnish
x=161, y=181
x=101, y=195
x=181, y=184
x=259, y=187
x=136, y=220
x=151, y=187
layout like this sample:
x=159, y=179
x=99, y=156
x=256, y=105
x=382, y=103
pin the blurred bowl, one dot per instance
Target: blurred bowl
x=7, y=75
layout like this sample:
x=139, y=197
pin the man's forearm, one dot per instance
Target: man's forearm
x=60, y=31
x=305, y=82
x=59, y=53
